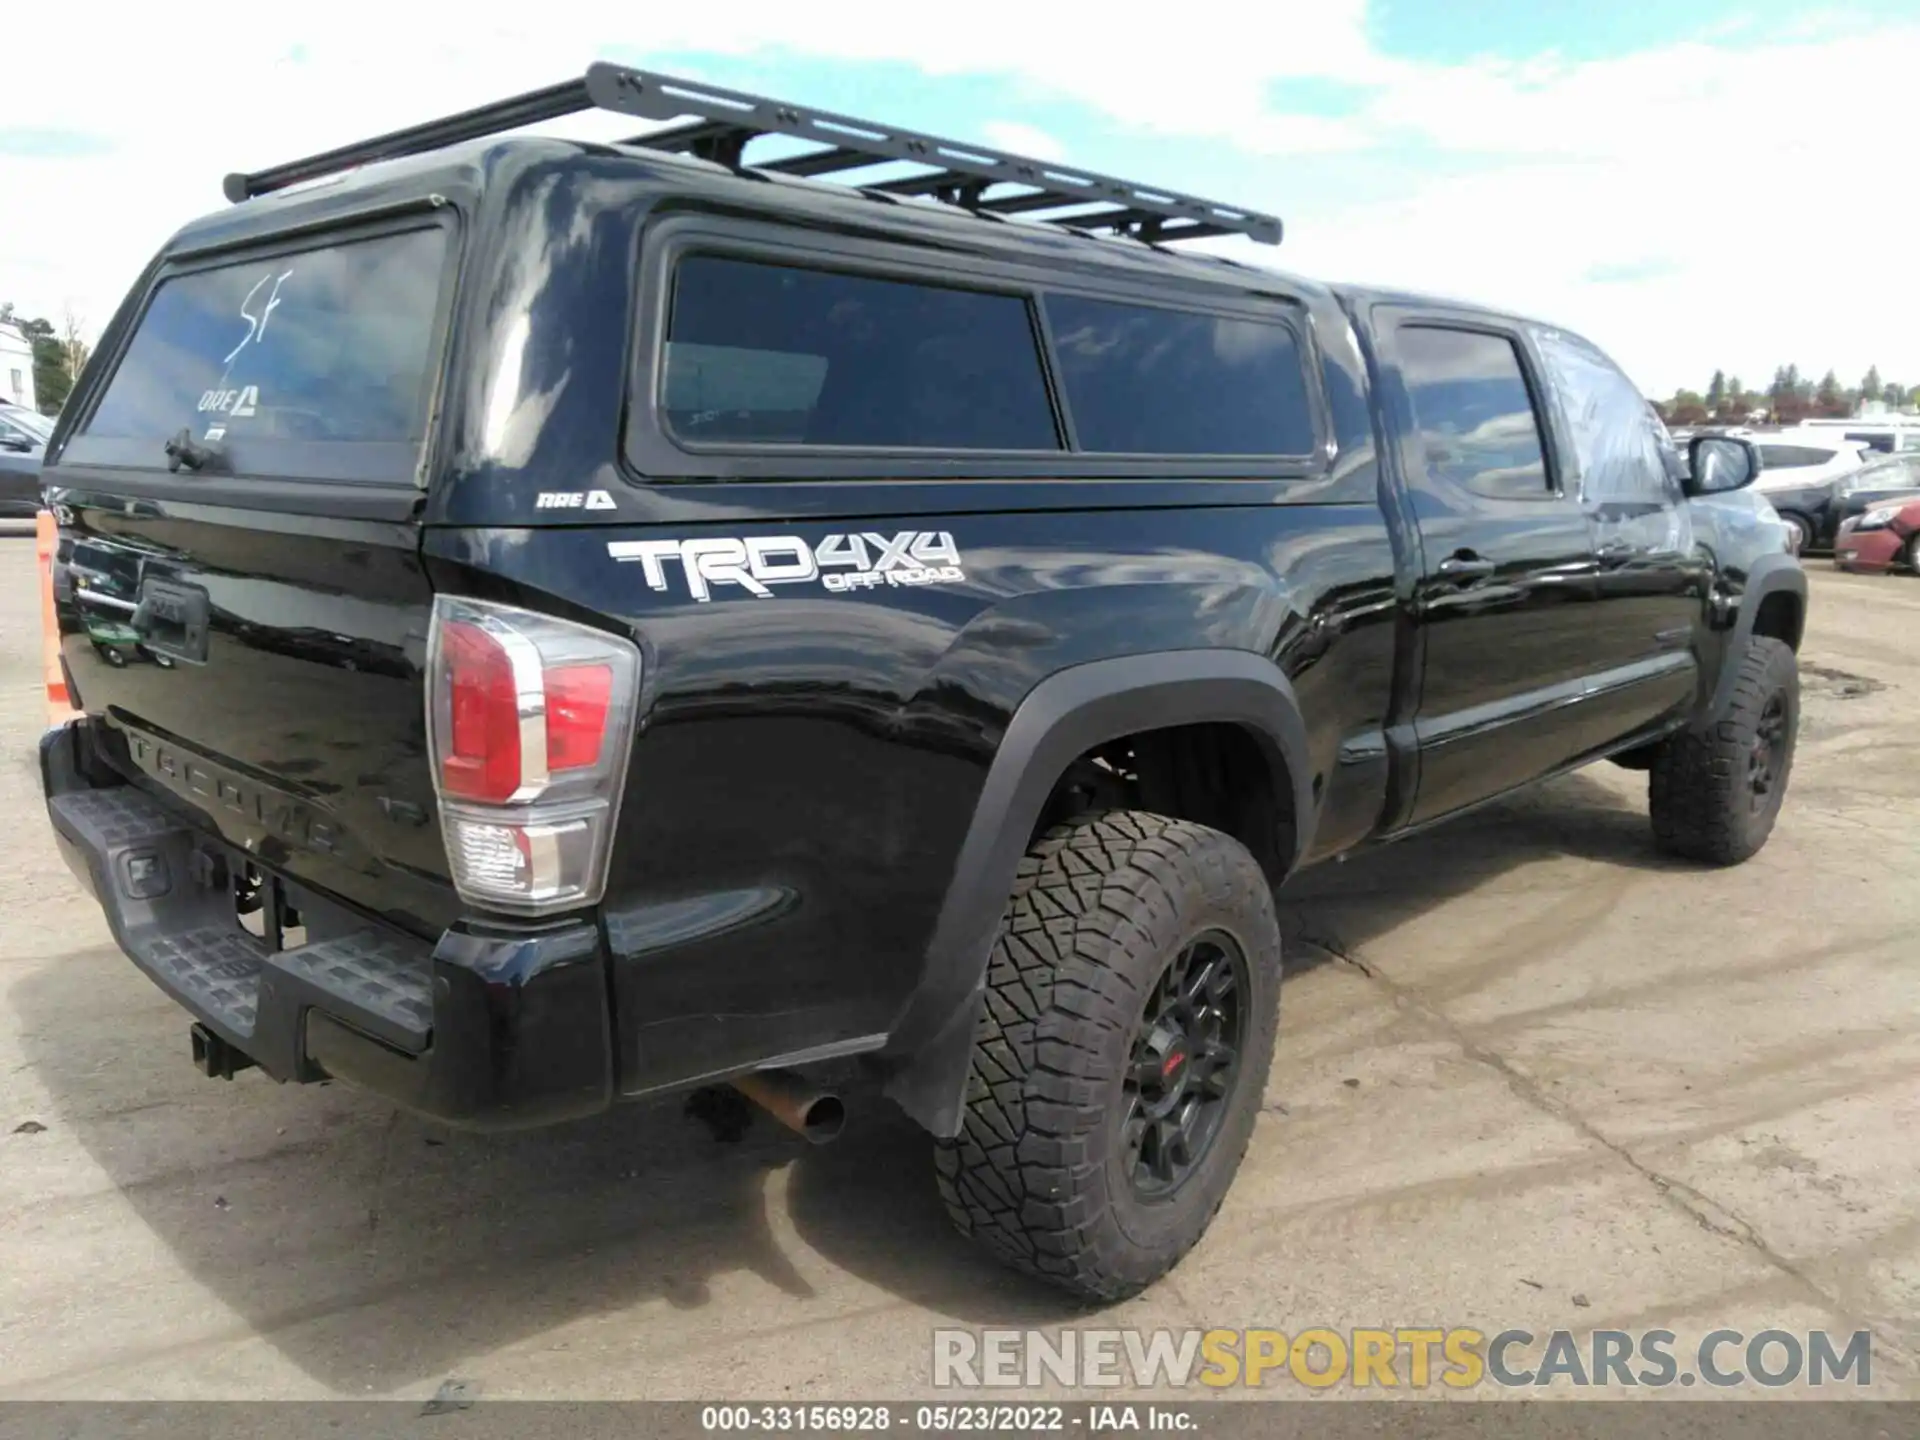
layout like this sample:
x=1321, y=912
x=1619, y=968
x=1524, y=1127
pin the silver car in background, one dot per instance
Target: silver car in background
x=23, y=440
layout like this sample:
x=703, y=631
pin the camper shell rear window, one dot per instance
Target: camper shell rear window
x=315, y=363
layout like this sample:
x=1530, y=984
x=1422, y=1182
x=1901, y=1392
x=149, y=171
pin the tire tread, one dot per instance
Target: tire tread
x=1092, y=906
x=1695, y=786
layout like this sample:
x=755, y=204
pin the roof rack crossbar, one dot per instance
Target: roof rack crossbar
x=1027, y=203
x=819, y=162
x=718, y=124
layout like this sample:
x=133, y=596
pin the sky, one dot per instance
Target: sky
x=1692, y=185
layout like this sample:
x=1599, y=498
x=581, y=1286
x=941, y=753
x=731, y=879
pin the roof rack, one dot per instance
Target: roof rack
x=724, y=122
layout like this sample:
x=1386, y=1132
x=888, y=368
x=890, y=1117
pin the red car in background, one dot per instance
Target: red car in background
x=1886, y=537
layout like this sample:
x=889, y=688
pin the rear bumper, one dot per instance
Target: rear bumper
x=485, y=1028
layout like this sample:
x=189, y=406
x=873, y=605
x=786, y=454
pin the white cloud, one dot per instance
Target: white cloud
x=1022, y=139
x=1735, y=203
x=1687, y=207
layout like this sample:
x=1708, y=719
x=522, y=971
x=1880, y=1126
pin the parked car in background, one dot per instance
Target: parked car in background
x=1800, y=471
x=23, y=439
x=1889, y=434
x=1737, y=529
x=1884, y=538
x=1892, y=478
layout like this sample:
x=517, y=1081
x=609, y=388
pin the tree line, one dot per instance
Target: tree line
x=1790, y=399
x=59, y=354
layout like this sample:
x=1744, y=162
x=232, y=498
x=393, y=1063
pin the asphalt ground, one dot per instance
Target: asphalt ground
x=1531, y=1076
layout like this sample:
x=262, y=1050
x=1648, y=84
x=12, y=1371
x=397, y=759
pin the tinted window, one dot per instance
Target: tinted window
x=1790, y=457
x=776, y=354
x=267, y=357
x=1880, y=440
x=1144, y=381
x=1475, y=414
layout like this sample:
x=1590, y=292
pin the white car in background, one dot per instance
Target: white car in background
x=1889, y=434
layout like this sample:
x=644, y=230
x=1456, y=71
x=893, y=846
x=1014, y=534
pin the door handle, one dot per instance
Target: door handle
x=1613, y=552
x=1465, y=565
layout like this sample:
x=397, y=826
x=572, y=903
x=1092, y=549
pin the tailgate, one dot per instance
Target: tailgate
x=238, y=579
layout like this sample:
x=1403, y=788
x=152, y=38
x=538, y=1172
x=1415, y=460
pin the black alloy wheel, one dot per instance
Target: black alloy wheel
x=1185, y=1060
x=1768, y=751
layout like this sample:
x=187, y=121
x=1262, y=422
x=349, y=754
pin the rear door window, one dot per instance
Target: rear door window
x=313, y=363
x=775, y=354
x=1475, y=413
x=1141, y=380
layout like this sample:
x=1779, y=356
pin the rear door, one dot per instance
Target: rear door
x=241, y=594
x=1505, y=594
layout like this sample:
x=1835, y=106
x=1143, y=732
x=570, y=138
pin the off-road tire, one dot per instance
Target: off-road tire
x=1698, y=790
x=1100, y=908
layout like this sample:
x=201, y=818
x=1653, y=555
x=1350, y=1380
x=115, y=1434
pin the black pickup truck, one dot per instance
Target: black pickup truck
x=559, y=623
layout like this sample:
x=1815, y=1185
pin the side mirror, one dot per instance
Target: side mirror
x=19, y=444
x=1720, y=463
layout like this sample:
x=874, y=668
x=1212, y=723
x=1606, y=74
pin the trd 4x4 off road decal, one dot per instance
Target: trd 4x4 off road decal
x=839, y=562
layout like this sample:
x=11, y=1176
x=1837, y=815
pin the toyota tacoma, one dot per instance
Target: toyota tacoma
x=556, y=623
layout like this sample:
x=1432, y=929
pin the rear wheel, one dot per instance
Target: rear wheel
x=1120, y=1060
x=1716, y=790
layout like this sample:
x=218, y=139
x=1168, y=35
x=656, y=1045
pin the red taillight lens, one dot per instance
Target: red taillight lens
x=577, y=701
x=530, y=720
x=481, y=760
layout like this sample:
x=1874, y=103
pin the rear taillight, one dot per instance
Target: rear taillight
x=529, y=720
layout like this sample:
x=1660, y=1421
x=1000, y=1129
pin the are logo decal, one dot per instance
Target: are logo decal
x=756, y=563
x=574, y=500
x=237, y=403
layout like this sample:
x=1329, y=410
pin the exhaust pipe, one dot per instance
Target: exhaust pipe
x=817, y=1115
